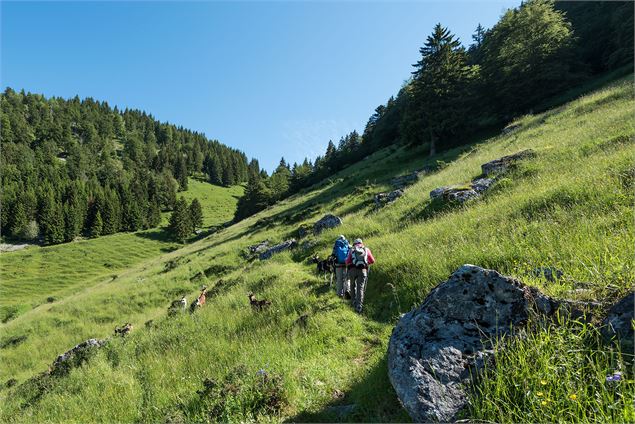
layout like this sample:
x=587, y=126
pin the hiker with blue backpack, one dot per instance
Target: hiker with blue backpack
x=359, y=260
x=340, y=253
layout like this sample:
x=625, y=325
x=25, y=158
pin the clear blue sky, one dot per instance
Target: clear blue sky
x=270, y=78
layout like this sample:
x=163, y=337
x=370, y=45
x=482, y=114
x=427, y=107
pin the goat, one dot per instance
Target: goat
x=122, y=331
x=256, y=304
x=177, y=305
x=325, y=267
x=200, y=300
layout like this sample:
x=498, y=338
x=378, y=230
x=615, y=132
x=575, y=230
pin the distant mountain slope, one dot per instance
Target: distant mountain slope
x=309, y=357
x=38, y=275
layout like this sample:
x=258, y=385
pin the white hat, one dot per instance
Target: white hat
x=341, y=237
x=357, y=241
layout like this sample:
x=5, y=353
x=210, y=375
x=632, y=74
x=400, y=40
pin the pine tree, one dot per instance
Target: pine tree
x=196, y=214
x=51, y=219
x=439, y=103
x=72, y=222
x=20, y=220
x=180, y=172
x=180, y=225
x=96, y=226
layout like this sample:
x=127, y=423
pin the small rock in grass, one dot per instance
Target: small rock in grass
x=326, y=222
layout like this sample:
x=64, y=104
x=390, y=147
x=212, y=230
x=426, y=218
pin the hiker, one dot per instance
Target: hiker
x=340, y=253
x=358, y=261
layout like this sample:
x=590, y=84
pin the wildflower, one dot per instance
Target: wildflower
x=616, y=376
x=539, y=394
x=543, y=382
x=543, y=403
x=573, y=396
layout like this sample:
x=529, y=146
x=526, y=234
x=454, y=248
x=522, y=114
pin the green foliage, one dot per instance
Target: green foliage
x=82, y=150
x=528, y=55
x=180, y=221
x=440, y=92
x=196, y=214
x=96, y=226
x=580, y=180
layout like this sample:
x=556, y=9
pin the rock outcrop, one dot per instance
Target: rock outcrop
x=434, y=347
x=619, y=323
x=462, y=194
x=500, y=165
x=286, y=245
x=326, y=222
x=75, y=356
x=404, y=180
x=382, y=199
x=259, y=247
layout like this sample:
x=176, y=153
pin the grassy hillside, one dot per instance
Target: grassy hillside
x=39, y=276
x=309, y=357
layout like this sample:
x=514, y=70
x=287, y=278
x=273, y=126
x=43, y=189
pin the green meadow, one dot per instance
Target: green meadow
x=309, y=357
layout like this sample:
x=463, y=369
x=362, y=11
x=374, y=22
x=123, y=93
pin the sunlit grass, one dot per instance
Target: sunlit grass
x=570, y=207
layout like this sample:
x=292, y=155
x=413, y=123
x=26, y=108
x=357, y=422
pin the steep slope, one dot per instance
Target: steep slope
x=309, y=357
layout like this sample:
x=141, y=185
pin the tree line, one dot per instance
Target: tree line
x=81, y=168
x=535, y=51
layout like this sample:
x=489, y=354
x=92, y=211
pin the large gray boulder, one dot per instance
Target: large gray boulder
x=619, y=323
x=434, y=347
x=326, y=222
x=285, y=245
x=500, y=165
x=462, y=194
x=404, y=180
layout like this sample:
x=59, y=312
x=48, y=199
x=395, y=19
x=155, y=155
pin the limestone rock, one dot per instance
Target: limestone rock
x=501, y=165
x=619, y=323
x=382, y=199
x=454, y=194
x=326, y=222
x=259, y=247
x=286, y=245
x=74, y=357
x=404, y=180
x=481, y=185
x=433, y=348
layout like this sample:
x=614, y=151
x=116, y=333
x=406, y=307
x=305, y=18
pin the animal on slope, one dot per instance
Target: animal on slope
x=200, y=300
x=256, y=304
x=123, y=330
x=177, y=305
x=325, y=267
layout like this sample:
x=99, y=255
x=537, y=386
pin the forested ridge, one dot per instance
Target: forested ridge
x=79, y=167
x=535, y=51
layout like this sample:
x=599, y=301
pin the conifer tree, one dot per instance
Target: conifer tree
x=51, y=219
x=96, y=226
x=20, y=220
x=180, y=225
x=196, y=214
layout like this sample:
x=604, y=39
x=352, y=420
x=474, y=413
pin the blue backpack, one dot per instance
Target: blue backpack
x=341, y=251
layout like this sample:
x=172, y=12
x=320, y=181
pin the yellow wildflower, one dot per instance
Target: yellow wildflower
x=543, y=382
x=573, y=396
x=543, y=403
x=539, y=394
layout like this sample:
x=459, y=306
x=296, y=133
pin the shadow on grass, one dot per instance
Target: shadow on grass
x=371, y=399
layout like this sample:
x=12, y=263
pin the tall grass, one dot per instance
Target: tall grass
x=570, y=207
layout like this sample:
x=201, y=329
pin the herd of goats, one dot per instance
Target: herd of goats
x=324, y=267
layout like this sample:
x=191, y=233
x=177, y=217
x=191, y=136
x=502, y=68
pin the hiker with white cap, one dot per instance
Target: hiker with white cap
x=358, y=261
x=340, y=253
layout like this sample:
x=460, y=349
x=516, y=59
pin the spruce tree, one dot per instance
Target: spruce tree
x=439, y=93
x=96, y=226
x=51, y=219
x=180, y=226
x=196, y=214
x=20, y=220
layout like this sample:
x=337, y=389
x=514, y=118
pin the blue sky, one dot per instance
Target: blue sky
x=270, y=78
